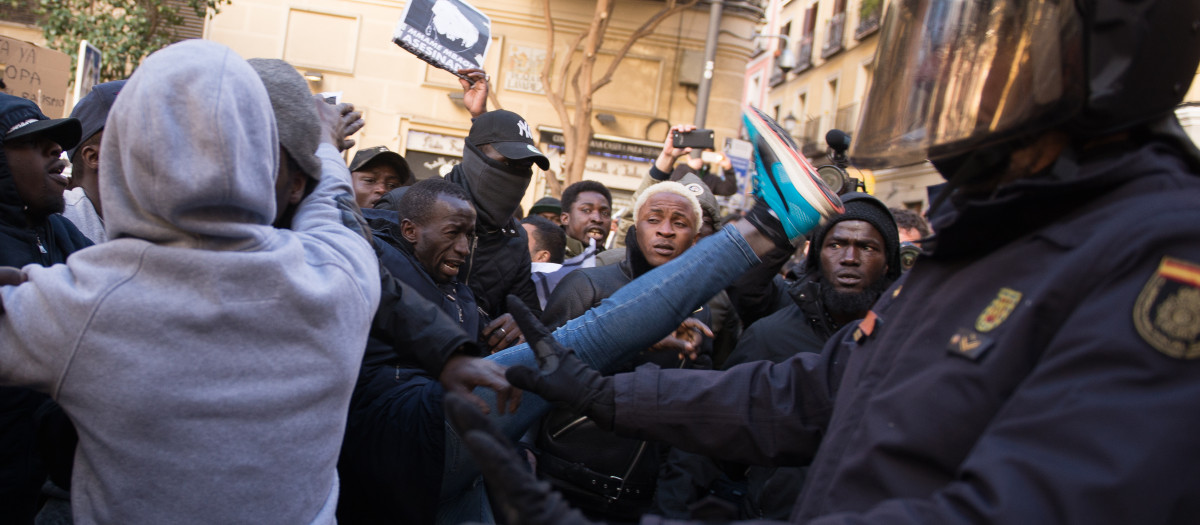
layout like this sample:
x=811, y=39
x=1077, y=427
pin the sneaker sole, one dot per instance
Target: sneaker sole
x=786, y=180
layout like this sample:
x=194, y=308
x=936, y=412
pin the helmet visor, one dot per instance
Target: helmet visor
x=952, y=75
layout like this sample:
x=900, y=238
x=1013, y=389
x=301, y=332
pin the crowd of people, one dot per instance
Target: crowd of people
x=216, y=319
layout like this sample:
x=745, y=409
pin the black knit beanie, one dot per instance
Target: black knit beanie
x=861, y=207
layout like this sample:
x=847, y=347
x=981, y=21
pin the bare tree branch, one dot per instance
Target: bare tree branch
x=647, y=28
x=564, y=72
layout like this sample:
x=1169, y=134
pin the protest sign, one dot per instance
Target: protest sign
x=36, y=73
x=87, y=71
x=449, y=34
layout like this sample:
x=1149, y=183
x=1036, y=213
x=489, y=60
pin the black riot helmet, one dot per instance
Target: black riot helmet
x=952, y=76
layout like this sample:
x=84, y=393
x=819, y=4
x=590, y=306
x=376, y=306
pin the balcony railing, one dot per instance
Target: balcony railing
x=811, y=142
x=846, y=118
x=777, y=76
x=868, y=19
x=835, y=35
x=804, y=53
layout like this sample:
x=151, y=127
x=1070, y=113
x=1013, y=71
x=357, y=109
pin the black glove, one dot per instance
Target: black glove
x=765, y=221
x=511, y=486
x=563, y=378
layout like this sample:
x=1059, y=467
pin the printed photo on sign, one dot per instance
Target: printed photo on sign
x=449, y=34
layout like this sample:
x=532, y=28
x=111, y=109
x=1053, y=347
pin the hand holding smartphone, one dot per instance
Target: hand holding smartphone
x=695, y=139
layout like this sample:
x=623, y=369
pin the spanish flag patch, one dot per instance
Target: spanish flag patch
x=1167, y=311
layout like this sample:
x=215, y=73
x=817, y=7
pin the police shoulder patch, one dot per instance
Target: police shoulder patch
x=1167, y=311
x=996, y=312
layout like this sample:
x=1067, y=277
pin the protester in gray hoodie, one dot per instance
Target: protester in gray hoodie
x=206, y=358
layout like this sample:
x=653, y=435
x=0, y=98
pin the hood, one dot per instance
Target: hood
x=635, y=263
x=190, y=152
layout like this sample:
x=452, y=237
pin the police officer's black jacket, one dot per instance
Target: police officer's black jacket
x=1040, y=366
x=800, y=325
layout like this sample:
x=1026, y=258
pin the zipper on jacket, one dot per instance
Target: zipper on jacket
x=41, y=247
x=461, y=318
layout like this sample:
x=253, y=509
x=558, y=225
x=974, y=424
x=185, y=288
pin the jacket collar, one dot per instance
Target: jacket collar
x=635, y=263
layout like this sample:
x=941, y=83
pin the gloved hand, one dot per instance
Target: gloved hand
x=513, y=489
x=562, y=379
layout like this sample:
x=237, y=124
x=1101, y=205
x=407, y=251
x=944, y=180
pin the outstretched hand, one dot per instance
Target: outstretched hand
x=561, y=377
x=461, y=374
x=685, y=340
x=513, y=489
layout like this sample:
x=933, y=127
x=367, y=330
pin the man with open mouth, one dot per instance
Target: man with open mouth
x=31, y=232
x=586, y=215
x=668, y=219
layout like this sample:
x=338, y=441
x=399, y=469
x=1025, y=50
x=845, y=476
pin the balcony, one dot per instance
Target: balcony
x=804, y=53
x=812, y=143
x=777, y=76
x=868, y=18
x=836, y=31
x=868, y=24
x=846, y=118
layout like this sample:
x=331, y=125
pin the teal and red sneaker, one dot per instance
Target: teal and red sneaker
x=785, y=180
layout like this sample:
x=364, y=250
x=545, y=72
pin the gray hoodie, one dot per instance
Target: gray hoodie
x=206, y=358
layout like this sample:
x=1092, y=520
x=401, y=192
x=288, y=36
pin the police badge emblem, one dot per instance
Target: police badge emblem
x=1167, y=312
x=998, y=311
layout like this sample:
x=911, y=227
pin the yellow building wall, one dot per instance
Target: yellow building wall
x=349, y=43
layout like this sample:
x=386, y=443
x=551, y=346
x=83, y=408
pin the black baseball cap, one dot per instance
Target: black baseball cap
x=92, y=110
x=20, y=117
x=382, y=154
x=546, y=204
x=509, y=134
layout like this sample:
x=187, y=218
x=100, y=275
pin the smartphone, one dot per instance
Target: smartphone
x=695, y=139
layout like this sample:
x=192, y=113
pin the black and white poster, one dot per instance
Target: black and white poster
x=449, y=34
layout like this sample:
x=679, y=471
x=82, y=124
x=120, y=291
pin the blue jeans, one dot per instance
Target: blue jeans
x=635, y=317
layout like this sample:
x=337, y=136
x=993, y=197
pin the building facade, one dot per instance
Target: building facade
x=345, y=46
x=834, y=45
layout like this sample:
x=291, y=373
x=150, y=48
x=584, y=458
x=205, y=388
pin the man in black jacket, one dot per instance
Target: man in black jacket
x=31, y=232
x=424, y=341
x=851, y=261
x=611, y=477
x=498, y=159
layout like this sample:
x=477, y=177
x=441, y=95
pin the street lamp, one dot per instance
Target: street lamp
x=789, y=124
